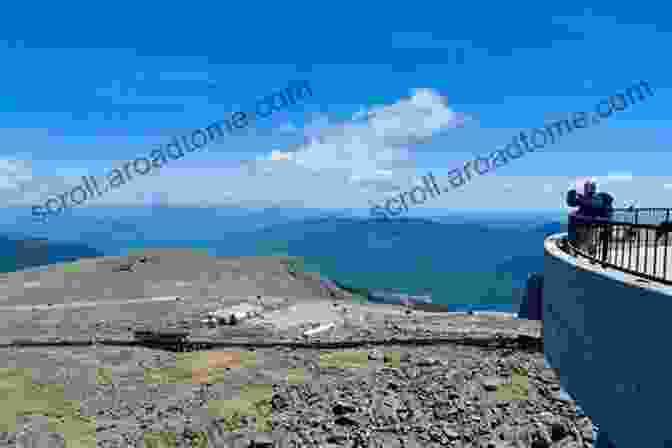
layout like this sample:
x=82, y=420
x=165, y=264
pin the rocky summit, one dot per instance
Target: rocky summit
x=298, y=367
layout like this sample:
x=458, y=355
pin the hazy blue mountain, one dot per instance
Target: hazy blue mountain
x=16, y=254
x=457, y=262
x=551, y=227
x=475, y=258
x=519, y=265
x=113, y=228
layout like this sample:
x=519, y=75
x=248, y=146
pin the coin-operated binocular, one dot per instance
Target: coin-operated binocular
x=599, y=204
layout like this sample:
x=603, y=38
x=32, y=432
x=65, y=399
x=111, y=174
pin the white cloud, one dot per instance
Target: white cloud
x=374, y=146
x=422, y=115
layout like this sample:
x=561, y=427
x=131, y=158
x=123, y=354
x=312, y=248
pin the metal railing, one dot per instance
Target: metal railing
x=644, y=250
x=642, y=215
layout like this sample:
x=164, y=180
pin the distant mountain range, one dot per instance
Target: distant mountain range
x=455, y=259
x=111, y=229
x=519, y=266
x=17, y=254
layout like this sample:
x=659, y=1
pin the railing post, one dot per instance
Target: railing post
x=604, y=240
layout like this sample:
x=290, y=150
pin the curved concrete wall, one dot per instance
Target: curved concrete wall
x=607, y=334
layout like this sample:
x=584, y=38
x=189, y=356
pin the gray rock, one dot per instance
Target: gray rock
x=412, y=372
x=347, y=421
x=343, y=408
x=436, y=434
x=491, y=383
x=540, y=443
x=387, y=409
x=567, y=442
x=451, y=433
x=375, y=355
x=428, y=362
x=444, y=411
x=262, y=441
x=337, y=436
x=279, y=401
x=559, y=430
x=540, y=438
x=387, y=440
x=585, y=429
x=392, y=385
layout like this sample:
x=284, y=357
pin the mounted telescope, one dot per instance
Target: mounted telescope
x=599, y=204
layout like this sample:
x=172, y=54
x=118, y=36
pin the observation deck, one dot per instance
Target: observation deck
x=607, y=301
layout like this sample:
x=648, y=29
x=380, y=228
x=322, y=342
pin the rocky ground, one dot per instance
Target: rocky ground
x=448, y=395
x=445, y=395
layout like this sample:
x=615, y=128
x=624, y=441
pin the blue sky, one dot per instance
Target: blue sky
x=397, y=91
